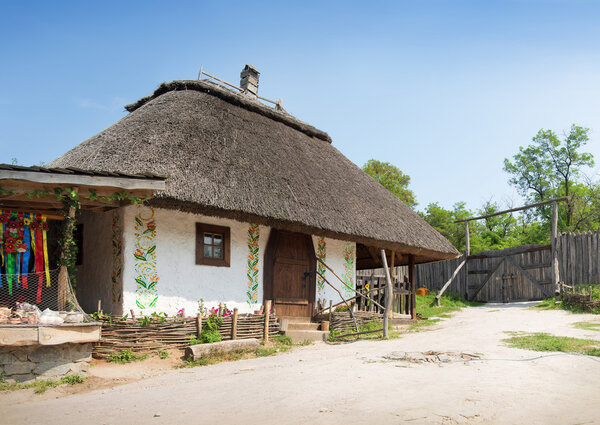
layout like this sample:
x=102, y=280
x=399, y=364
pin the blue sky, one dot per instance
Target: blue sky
x=445, y=90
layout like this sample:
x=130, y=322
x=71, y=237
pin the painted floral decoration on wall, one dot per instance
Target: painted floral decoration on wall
x=321, y=255
x=253, y=237
x=145, y=258
x=348, y=275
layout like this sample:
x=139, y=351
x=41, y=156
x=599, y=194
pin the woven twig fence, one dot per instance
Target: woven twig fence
x=157, y=335
x=581, y=300
x=341, y=320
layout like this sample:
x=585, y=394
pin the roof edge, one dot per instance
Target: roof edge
x=235, y=99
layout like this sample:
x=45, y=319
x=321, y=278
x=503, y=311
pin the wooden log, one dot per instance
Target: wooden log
x=198, y=351
x=330, y=310
x=234, y=324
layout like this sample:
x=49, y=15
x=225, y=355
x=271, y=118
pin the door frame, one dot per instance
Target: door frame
x=269, y=262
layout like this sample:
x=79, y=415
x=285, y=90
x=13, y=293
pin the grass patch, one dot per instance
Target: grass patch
x=41, y=386
x=588, y=326
x=422, y=325
x=547, y=304
x=492, y=311
x=163, y=354
x=449, y=302
x=547, y=342
x=126, y=356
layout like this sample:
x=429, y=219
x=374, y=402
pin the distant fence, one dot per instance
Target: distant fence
x=507, y=274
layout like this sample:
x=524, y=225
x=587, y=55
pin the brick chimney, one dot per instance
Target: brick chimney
x=249, y=81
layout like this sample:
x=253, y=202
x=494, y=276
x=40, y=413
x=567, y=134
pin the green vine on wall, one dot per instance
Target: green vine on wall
x=71, y=200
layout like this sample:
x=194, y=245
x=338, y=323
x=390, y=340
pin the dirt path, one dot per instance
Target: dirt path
x=354, y=383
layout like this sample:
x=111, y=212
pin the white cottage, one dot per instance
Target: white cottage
x=253, y=197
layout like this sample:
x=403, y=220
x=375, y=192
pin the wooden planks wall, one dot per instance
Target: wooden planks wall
x=578, y=261
x=578, y=257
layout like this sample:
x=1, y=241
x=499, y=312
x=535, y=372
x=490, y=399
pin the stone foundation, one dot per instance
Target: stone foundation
x=27, y=363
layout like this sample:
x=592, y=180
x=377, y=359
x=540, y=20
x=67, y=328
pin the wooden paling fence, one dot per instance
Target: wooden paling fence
x=374, y=285
x=137, y=336
x=579, y=257
x=516, y=273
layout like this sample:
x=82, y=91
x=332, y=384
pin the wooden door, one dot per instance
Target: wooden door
x=290, y=277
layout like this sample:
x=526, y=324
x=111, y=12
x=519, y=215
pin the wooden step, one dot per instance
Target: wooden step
x=302, y=335
x=303, y=326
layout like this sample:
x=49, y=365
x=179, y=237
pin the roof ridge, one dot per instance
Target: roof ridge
x=235, y=99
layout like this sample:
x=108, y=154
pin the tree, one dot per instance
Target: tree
x=443, y=220
x=394, y=180
x=550, y=167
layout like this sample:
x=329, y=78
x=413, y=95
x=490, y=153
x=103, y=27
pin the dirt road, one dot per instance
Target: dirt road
x=356, y=384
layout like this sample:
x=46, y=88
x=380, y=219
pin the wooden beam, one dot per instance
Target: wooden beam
x=441, y=292
x=374, y=255
x=528, y=276
x=123, y=183
x=539, y=204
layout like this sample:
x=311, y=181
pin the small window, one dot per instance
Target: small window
x=212, y=245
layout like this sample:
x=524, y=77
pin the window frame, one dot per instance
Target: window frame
x=201, y=260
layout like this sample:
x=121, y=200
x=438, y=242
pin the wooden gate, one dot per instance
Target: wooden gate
x=512, y=274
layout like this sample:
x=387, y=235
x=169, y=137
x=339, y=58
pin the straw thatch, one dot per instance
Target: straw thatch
x=227, y=155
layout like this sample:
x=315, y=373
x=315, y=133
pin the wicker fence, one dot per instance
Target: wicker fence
x=156, y=335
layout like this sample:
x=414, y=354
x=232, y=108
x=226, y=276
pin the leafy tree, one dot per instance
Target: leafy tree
x=394, y=180
x=549, y=168
x=443, y=220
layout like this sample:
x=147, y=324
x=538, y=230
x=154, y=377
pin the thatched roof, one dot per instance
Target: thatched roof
x=227, y=155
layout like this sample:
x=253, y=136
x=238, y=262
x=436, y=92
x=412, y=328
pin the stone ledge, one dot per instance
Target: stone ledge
x=48, y=335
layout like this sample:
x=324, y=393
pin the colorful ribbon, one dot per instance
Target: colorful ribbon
x=26, y=255
x=45, y=238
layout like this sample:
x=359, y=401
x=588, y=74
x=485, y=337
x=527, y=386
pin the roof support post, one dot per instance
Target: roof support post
x=63, y=272
x=467, y=253
x=388, y=294
x=413, y=287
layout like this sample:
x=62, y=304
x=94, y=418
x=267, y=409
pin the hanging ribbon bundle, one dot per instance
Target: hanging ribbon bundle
x=21, y=236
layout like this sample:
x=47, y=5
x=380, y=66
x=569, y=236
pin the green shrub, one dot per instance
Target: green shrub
x=125, y=356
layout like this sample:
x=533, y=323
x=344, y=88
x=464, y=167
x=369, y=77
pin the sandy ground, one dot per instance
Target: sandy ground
x=351, y=383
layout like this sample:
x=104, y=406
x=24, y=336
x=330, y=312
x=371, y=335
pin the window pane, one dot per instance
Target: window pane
x=217, y=240
x=218, y=253
x=208, y=251
x=208, y=239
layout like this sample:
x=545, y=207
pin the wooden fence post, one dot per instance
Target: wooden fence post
x=330, y=311
x=234, y=324
x=267, y=311
x=199, y=324
x=388, y=294
x=555, y=273
x=413, y=286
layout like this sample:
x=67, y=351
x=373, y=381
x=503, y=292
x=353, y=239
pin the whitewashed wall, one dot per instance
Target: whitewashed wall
x=334, y=258
x=181, y=282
